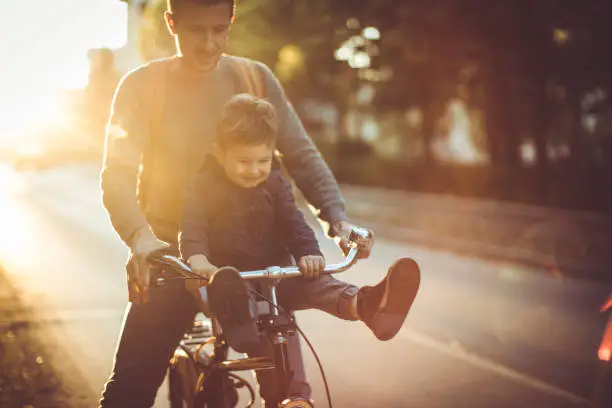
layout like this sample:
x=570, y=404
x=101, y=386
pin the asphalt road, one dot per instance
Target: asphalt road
x=481, y=333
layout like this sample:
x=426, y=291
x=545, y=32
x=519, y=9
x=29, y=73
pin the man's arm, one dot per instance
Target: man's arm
x=307, y=167
x=127, y=137
x=302, y=158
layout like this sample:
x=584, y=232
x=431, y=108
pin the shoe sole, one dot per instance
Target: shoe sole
x=231, y=303
x=402, y=285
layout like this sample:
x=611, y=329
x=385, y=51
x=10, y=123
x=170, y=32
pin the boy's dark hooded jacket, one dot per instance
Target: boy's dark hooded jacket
x=247, y=228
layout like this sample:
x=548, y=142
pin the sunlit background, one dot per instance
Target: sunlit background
x=434, y=132
x=45, y=53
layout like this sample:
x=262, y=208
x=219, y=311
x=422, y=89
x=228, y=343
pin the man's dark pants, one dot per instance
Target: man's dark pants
x=152, y=331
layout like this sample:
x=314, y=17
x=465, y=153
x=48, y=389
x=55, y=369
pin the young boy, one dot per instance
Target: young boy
x=240, y=211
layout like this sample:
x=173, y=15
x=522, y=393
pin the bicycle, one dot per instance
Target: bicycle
x=202, y=379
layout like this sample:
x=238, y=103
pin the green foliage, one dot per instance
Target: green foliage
x=155, y=40
x=525, y=65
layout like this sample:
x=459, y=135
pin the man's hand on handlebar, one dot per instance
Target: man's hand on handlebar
x=142, y=244
x=311, y=265
x=342, y=229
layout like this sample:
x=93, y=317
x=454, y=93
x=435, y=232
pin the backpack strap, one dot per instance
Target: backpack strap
x=251, y=80
x=157, y=87
x=159, y=97
x=249, y=76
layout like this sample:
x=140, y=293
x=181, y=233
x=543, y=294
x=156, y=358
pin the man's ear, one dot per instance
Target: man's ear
x=170, y=22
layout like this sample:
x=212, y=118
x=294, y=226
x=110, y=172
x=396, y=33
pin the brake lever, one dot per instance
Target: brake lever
x=157, y=255
x=165, y=260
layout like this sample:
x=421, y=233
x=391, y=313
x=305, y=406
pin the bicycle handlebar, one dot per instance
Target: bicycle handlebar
x=162, y=261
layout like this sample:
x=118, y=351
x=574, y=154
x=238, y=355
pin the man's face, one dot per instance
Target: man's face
x=246, y=166
x=201, y=33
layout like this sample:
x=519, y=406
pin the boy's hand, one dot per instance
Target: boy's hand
x=311, y=265
x=200, y=264
x=342, y=229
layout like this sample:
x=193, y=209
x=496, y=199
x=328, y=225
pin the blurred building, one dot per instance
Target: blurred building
x=98, y=94
x=129, y=56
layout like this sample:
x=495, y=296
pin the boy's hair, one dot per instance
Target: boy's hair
x=247, y=120
x=174, y=5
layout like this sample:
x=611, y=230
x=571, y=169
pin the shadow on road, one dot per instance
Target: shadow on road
x=31, y=362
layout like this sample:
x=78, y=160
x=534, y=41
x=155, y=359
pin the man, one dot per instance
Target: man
x=169, y=145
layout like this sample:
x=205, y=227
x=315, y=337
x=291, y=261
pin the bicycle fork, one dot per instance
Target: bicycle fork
x=281, y=357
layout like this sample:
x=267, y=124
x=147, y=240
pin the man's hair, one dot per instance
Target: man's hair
x=174, y=5
x=247, y=120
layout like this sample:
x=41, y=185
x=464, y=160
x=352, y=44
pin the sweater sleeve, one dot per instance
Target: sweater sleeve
x=127, y=137
x=301, y=157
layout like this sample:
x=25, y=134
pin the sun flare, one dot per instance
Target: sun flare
x=48, y=54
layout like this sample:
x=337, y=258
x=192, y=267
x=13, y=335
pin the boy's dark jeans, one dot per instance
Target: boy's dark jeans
x=152, y=331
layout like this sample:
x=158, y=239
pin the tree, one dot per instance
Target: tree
x=520, y=62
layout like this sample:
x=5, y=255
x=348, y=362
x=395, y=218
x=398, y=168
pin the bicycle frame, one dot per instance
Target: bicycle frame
x=275, y=324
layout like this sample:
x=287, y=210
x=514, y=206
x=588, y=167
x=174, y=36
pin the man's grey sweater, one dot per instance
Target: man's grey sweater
x=154, y=146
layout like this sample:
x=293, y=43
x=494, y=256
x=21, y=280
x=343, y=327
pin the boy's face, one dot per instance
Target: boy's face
x=201, y=33
x=246, y=166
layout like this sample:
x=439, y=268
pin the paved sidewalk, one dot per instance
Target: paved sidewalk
x=572, y=243
x=577, y=244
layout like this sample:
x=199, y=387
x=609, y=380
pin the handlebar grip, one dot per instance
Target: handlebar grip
x=358, y=233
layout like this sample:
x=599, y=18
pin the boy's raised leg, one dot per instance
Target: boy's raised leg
x=384, y=307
